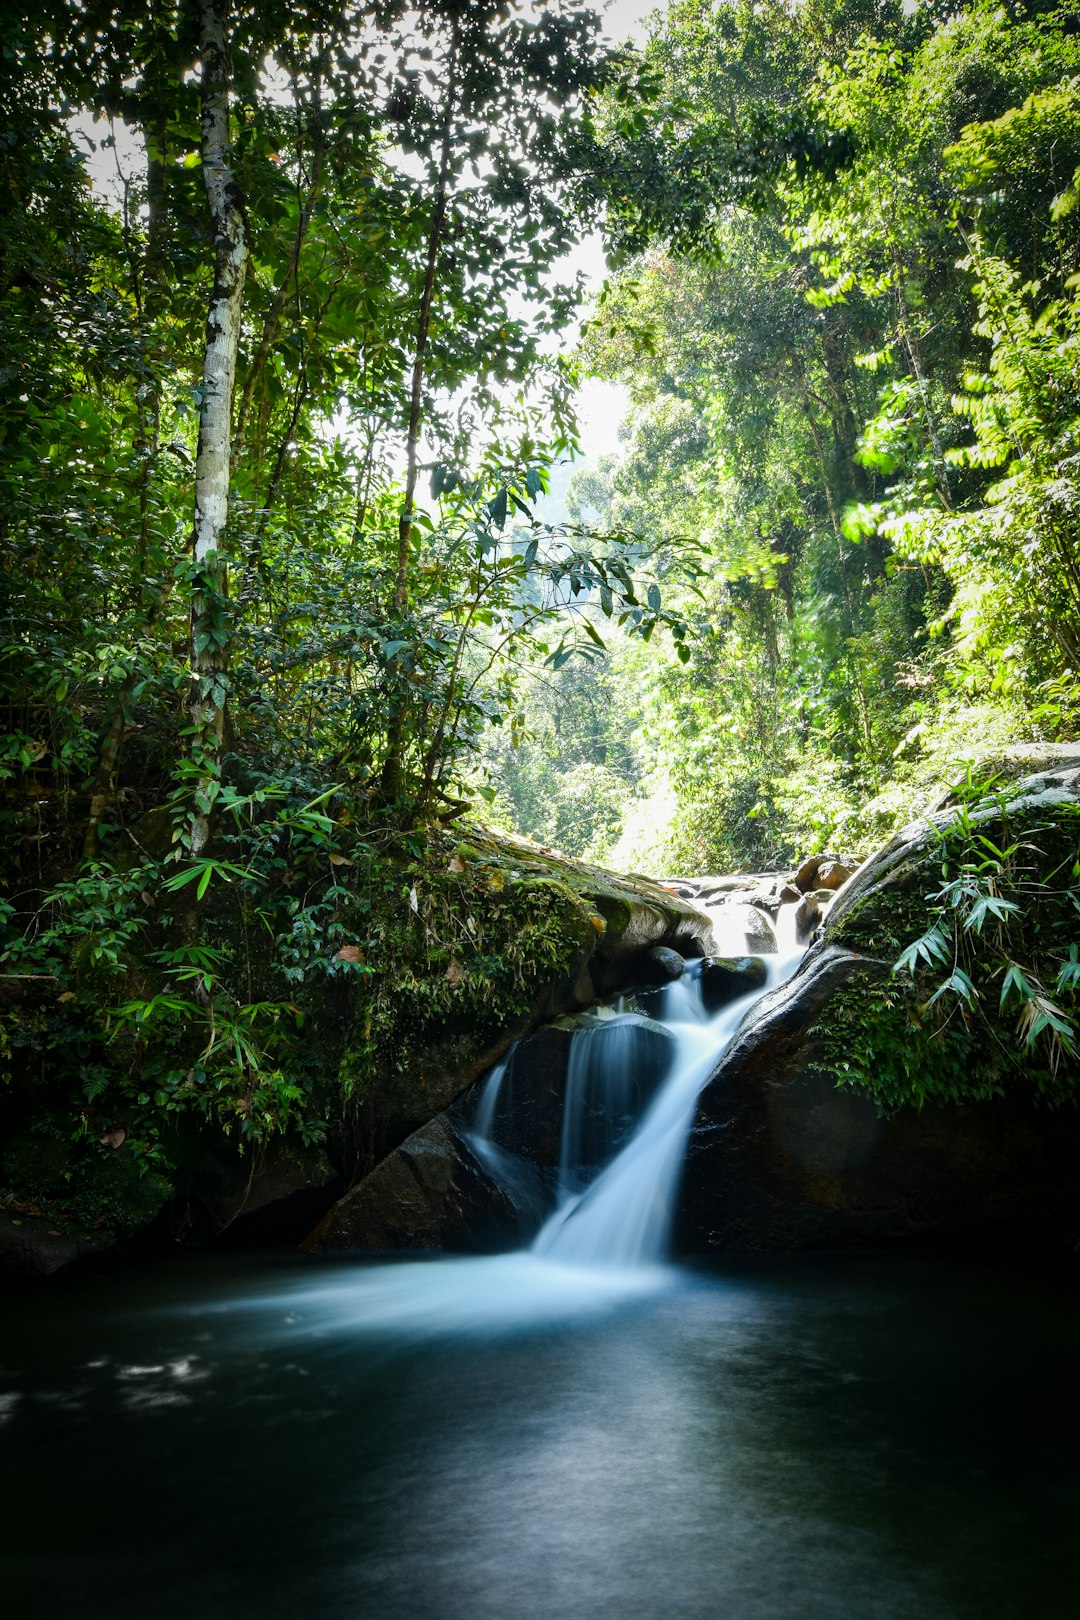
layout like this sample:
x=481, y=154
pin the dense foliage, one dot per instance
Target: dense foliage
x=847, y=316
x=279, y=294
x=283, y=333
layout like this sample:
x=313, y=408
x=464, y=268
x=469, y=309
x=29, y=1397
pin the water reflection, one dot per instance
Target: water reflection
x=872, y=1438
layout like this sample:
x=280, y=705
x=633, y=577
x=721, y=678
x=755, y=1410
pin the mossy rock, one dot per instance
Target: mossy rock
x=903, y=1042
x=782, y=1157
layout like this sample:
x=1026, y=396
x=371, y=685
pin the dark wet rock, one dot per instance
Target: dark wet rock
x=780, y=1157
x=808, y=914
x=272, y=1193
x=725, y=978
x=811, y=912
x=790, y=895
x=444, y=1189
x=431, y=1193
x=34, y=1246
x=661, y=966
x=529, y=1114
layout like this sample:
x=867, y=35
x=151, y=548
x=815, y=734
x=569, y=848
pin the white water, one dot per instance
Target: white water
x=602, y=1249
x=607, y=1081
x=623, y=1219
x=489, y=1099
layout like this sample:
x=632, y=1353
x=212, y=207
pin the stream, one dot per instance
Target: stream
x=578, y=1429
x=239, y=1439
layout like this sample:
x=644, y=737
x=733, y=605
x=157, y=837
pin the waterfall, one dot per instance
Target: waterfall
x=624, y=1217
x=608, y=1078
x=484, y=1123
x=626, y=1119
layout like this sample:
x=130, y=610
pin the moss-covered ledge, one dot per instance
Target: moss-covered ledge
x=395, y=965
x=499, y=936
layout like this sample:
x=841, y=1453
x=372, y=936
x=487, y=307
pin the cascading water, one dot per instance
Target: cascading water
x=610, y=1075
x=632, y=1084
x=600, y=1248
x=623, y=1218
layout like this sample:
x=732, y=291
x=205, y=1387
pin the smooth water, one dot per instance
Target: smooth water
x=575, y=1430
x=879, y=1438
x=623, y=1217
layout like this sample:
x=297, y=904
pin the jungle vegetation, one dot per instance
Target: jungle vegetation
x=289, y=342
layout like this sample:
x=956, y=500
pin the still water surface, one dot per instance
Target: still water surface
x=879, y=1438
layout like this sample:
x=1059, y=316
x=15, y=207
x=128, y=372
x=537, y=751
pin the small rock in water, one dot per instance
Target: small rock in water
x=790, y=895
x=725, y=978
x=811, y=874
x=807, y=917
x=661, y=965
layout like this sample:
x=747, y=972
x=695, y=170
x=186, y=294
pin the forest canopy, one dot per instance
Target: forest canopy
x=845, y=310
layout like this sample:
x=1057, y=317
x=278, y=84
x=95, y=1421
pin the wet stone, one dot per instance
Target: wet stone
x=725, y=978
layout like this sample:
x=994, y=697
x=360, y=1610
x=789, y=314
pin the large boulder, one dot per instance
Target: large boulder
x=270, y=1193
x=782, y=1157
x=725, y=978
x=34, y=1246
x=433, y=1192
x=852, y=1109
x=604, y=928
x=825, y=871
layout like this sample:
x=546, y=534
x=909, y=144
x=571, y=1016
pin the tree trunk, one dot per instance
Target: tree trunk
x=390, y=785
x=209, y=634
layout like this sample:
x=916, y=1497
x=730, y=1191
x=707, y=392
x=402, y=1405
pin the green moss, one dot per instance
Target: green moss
x=882, y=924
x=616, y=914
x=79, y=1184
x=874, y=1038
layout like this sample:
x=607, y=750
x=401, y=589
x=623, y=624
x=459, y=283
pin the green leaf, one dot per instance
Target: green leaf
x=1015, y=980
x=960, y=985
x=932, y=946
x=988, y=905
x=497, y=507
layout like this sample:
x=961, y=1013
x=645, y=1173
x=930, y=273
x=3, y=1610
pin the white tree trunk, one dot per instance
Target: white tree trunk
x=209, y=632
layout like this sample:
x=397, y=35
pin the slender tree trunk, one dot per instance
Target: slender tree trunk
x=423, y=327
x=209, y=638
x=391, y=774
x=910, y=339
x=277, y=308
